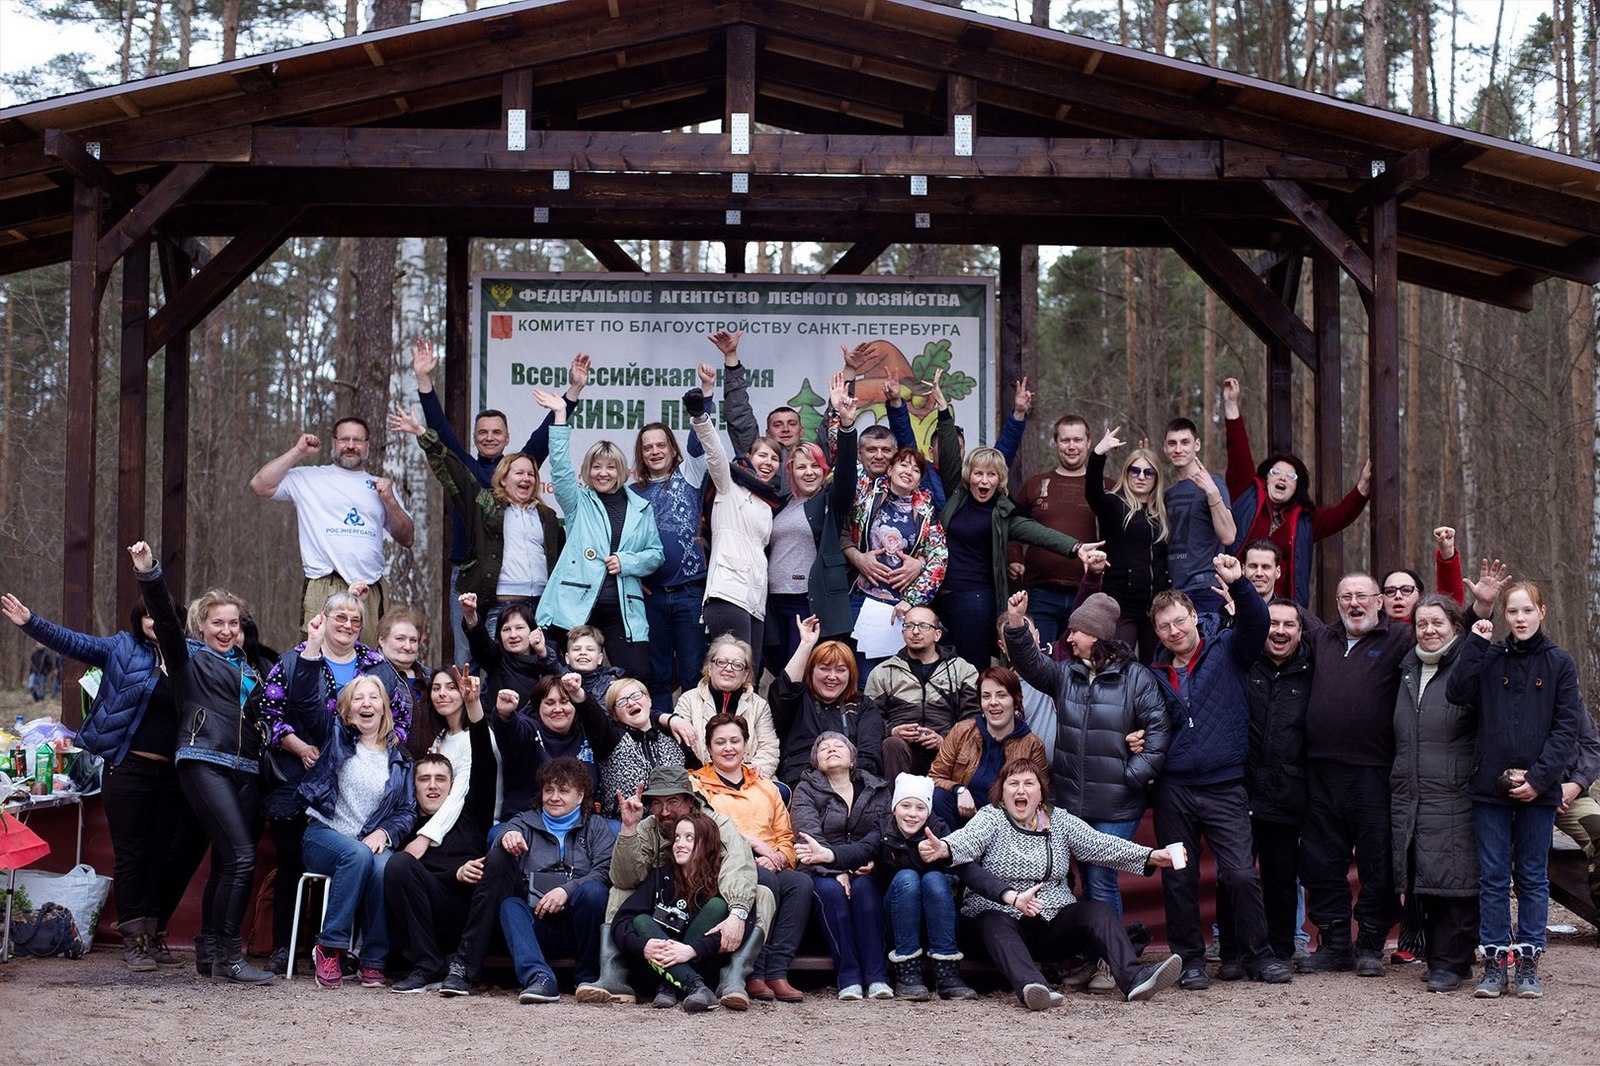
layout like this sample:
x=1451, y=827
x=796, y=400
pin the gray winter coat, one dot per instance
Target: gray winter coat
x=1430, y=811
x=1093, y=775
x=851, y=833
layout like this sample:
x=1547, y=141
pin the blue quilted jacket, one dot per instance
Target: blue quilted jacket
x=132, y=668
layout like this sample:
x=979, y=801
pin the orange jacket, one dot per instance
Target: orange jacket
x=757, y=809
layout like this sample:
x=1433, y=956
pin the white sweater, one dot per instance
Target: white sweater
x=741, y=525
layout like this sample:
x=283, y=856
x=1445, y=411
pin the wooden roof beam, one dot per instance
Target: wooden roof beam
x=138, y=223
x=224, y=273
x=1578, y=262
x=1324, y=230
x=1241, y=289
x=859, y=256
x=612, y=256
x=77, y=159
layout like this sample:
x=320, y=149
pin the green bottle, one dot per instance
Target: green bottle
x=44, y=768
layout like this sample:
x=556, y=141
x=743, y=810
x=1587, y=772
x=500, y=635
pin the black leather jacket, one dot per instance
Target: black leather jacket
x=218, y=695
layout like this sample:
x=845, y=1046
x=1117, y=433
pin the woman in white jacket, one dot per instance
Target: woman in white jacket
x=741, y=524
x=727, y=686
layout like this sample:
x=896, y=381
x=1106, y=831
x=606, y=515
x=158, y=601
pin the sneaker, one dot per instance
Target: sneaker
x=879, y=990
x=278, y=962
x=542, y=989
x=1231, y=971
x=850, y=994
x=1155, y=978
x=1194, y=979
x=418, y=980
x=1275, y=972
x=455, y=981
x=326, y=963
x=1402, y=957
x=1102, y=980
x=372, y=977
x=1040, y=996
x=1214, y=950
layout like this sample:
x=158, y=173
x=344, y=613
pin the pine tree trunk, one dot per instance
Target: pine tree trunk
x=230, y=29
x=1375, y=52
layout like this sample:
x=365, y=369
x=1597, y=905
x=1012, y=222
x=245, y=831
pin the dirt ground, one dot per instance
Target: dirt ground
x=92, y=1011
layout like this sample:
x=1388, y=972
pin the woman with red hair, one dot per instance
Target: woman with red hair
x=820, y=691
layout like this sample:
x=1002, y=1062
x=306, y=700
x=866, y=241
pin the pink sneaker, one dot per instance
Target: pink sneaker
x=328, y=965
x=372, y=977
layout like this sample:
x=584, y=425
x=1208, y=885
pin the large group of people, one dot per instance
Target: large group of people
x=764, y=684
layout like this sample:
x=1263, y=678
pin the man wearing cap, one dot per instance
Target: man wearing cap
x=1202, y=673
x=644, y=843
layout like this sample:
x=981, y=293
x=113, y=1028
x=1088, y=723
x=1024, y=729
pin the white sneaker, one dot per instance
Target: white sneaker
x=879, y=990
x=1101, y=981
x=850, y=993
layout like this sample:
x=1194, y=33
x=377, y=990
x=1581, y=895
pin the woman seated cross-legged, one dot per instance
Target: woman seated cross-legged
x=665, y=930
x=1031, y=846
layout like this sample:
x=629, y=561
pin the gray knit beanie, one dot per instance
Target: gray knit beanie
x=1097, y=617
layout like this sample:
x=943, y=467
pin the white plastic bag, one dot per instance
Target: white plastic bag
x=80, y=890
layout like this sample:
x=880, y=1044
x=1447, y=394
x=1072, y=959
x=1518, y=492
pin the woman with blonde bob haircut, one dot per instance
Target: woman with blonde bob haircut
x=727, y=686
x=360, y=804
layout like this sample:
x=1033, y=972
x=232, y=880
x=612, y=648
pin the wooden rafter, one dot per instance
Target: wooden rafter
x=1241, y=289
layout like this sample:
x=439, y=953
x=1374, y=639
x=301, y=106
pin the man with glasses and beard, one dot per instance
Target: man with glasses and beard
x=922, y=690
x=342, y=511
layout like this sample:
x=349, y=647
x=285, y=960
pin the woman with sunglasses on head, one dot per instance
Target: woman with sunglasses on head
x=1133, y=521
x=1272, y=500
x=727, y=687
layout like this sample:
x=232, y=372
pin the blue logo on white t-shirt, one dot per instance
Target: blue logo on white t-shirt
x=353, y=518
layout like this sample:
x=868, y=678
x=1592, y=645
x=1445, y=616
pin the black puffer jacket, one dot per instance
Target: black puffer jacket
x=1093, y=775
x=852, y=833
x=1529, y=704
x=218, y=696
x=1430, y=813
x=1275, y=769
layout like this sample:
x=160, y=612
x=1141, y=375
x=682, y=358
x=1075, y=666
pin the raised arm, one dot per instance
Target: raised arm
x=743, y=428
x=1043, y=674
x=537, y=447
x=95, y=651
x=1326, y=521
x=424, y=361
x=1009, y=442
x=163, y=612
x=1241, y=465
x=269, y=477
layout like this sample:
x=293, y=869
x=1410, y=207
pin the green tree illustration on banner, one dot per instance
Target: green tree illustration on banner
x=810, y=405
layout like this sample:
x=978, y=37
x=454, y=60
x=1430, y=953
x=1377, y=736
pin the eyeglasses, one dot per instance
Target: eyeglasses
x=631, y=698
x=1173, y=626
x=350, y=440
x=1399, y=590
x=346, y=619
x=1356, y=597
x=918, y=627
x=729, y=664
x=1287, y=475
x=1141, y=471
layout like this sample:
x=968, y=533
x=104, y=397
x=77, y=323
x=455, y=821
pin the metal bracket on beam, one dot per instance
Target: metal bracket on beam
x=963, y=129
x=517, y=129
x=924, y=220
x=561, y=179
x=541, y=214
x=741, y=184
x=739, y=133
x=1378, y=167
x=733, y=217
x=919, y=185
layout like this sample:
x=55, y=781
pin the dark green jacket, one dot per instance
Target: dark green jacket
x=486, y=522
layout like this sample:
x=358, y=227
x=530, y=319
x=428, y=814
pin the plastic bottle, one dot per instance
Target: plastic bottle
x=44, y=768
x=17, y=764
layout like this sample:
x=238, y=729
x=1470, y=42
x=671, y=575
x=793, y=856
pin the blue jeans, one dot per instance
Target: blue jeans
x=677, y=641
x=356, y=888
x=1513, y=845
x=854, y=926
x=1050, y=606
x=1100, y=882
x=573, y=930
x=916, y=900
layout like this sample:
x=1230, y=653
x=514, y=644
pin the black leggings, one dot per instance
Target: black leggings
x=632, y=657
x=225, y=802
x=156, y=839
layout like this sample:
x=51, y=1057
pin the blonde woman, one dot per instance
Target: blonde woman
x=612, y=544
x=727, y=686
x=360, y=806
x=1133, y=522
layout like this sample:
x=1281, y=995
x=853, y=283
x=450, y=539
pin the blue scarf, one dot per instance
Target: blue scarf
x=560, y=827
x=993, y=757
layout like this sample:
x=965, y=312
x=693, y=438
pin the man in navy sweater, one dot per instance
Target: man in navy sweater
x=1201, y=788
x=490, y=435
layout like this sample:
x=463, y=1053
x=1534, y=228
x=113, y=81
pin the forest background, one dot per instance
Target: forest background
x=1498, y=409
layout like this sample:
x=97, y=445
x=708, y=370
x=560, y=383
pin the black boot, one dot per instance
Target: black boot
x=231, y=965
x=947, y=978
x=1333, y=951
x=203, y=945
x=908, y=983
x=1369, y=952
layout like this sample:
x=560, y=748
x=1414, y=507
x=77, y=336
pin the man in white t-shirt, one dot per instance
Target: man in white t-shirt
x=342, y=510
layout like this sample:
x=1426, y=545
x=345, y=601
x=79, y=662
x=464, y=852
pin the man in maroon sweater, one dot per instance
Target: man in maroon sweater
x=1055, y=498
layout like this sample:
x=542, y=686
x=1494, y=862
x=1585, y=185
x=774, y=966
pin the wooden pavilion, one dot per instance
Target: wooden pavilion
x=904, y=122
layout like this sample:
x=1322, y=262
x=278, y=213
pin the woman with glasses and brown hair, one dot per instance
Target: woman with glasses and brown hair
x=727, y=686
x=1133, y=524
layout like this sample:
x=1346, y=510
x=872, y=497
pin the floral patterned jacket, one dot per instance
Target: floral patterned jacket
x=929, y=543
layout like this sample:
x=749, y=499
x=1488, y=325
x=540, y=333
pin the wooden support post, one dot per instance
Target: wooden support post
x=133, y=416
x=740, y=91
x=516, y=91
x=176, y=268
x=961, y=98
x=457, y=373
x=83, y=390
x=735, y=257
x=1383, y=387
x=1010, y=336
x=1330, y=420
x=1285, y=281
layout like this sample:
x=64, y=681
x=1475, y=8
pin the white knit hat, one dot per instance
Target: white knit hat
x=912, y=786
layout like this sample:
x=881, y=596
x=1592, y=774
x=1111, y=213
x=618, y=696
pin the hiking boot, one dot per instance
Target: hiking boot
x=278, y=962
x=1276, y=972
x=908, y=982
x=1333, y=951
x=455, y=981
x=136, y=947
x=947, y=979
x=700, y=999
x=325, y=962
x=159, y=951
x=418, y=980
x=1493, y=984
x=1194, y=979
x=542, y=989
x=1527, y=976
x=1232, y=970
x=1369, y=952
x=1154, y=978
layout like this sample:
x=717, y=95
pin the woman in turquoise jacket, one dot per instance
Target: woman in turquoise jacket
x=612, y=542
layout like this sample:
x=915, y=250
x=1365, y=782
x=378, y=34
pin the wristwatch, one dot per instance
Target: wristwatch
x=741, y=913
